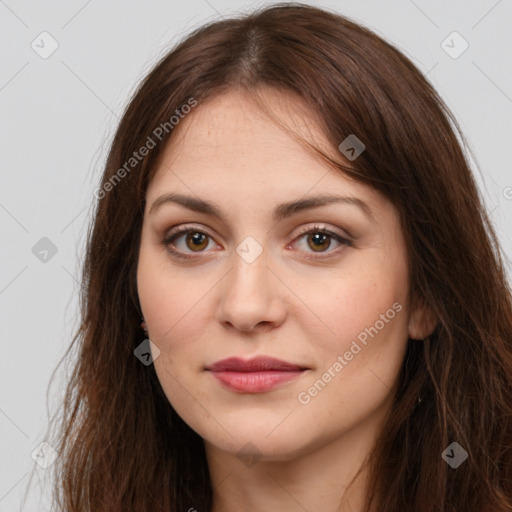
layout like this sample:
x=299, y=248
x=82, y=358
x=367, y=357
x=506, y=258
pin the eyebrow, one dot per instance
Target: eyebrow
x=281, y=212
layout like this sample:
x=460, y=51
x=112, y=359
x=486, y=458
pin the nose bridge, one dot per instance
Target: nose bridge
x=251, y=293
x=250, y=268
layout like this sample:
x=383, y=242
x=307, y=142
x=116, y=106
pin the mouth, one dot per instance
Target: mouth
x=256, y=375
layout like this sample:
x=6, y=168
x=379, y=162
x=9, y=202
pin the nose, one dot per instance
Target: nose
x=253, y=297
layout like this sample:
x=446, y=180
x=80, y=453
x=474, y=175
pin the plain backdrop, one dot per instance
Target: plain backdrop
x=59, y=111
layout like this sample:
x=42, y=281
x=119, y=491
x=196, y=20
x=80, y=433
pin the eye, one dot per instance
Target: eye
x=319, y=239
x=196, y=240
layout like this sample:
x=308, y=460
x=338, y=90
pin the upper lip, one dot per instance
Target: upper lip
x=256, y=364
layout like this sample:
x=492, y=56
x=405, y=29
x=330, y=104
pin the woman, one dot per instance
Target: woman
x=287, y=214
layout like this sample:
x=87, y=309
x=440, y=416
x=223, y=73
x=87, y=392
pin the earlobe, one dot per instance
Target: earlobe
x=422, y=320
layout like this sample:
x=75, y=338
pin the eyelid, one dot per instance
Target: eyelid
x=183, y=228
x=325, y=228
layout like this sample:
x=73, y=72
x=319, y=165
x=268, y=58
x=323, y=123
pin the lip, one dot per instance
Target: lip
x=255, y=375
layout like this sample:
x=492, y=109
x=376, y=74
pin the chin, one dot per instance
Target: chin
x=256, y=443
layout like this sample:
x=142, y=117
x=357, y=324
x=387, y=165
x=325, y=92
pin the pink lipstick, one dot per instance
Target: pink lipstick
x=255, y=375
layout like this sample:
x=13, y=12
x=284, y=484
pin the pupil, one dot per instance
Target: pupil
x=196, y=239
x=319, y=237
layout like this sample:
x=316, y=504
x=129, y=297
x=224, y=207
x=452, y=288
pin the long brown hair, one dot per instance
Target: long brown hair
x=121, y=444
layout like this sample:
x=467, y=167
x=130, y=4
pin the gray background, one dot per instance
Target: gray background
x=58, y=114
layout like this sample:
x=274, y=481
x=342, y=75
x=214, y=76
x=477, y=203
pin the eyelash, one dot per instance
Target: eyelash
x=174, y=235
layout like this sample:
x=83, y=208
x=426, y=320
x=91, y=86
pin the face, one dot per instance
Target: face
x=323, y=287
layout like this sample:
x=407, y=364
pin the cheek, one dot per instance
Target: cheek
x=169, y=297
x=358, y=366
x=175, y=312
x=361, y=358
x=350, y=305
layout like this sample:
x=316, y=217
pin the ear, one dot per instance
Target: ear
x=422, y=319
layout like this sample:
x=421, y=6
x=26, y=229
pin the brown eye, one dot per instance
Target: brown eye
x=182, y=243
x=196, y=241
x=319, y=241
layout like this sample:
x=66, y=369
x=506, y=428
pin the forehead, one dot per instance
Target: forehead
x=244, y=118
x=231, y=133
x=229, y=145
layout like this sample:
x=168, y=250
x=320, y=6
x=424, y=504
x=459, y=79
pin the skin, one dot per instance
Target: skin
x=296, y=302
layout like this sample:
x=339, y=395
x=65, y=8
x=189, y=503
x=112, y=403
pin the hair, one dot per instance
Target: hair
x=121, y=444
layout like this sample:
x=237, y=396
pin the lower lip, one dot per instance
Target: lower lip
x=255, y=382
